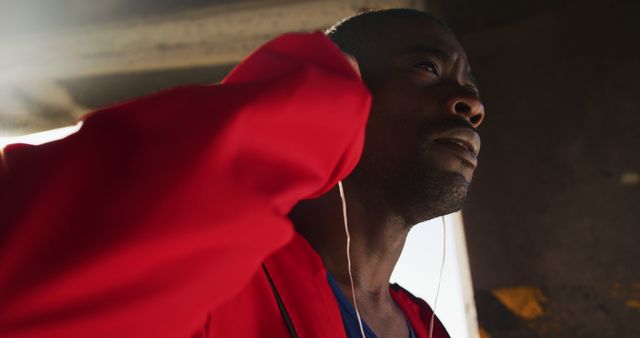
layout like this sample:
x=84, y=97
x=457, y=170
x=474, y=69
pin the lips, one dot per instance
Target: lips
x=461, y=136
x=462, y=141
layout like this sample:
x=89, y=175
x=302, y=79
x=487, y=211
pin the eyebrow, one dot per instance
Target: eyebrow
x=442, y=55
x=439, y=53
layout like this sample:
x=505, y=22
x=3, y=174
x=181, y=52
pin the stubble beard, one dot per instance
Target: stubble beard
x=440, y=193
x=425, y=192
x=416, y=191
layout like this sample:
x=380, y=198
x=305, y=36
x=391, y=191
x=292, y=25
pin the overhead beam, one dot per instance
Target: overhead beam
x=220, y=34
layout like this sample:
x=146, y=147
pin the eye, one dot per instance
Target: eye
x=428, y=66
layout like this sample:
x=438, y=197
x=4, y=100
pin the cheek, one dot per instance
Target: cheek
x=391, y=137
x=402, y=98
x=401, y=114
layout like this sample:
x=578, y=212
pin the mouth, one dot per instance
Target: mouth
x=463, y=142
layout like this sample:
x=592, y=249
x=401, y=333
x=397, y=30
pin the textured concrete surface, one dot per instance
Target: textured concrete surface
x=556, y=201
x=61, y=40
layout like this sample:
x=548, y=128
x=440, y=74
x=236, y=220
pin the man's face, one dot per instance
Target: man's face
x=421, y=146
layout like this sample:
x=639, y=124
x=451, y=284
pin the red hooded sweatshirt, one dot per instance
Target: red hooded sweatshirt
x=166, y=216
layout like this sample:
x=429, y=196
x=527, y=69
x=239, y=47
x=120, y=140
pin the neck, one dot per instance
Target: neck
x=377, y=239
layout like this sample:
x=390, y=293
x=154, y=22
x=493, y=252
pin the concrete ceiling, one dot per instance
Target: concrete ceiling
x=46, y=43
x=29, y=16
x=142, y=38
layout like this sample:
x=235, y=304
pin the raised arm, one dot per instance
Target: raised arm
x=159, y=209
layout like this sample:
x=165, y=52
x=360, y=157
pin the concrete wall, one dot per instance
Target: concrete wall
x=553, y=220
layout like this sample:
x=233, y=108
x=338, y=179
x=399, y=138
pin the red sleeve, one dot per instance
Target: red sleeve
x=159, y=209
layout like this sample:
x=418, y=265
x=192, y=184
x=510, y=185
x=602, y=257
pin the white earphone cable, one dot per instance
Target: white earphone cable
x=346, y=228
x=353, y=291
x=435, y=302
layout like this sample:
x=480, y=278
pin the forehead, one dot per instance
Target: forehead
x=414, y=35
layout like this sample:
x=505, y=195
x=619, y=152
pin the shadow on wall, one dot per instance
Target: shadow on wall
x=555, y=204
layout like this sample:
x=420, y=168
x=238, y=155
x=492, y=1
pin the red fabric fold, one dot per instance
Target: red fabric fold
x=162, y=208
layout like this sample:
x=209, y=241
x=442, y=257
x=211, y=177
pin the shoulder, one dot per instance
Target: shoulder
x=404, y=296
x=418, y=312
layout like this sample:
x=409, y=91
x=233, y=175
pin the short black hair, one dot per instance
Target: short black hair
x=357, y=34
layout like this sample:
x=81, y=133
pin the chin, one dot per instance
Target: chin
x=419, y=190
x=437, y=194
x=452, y=165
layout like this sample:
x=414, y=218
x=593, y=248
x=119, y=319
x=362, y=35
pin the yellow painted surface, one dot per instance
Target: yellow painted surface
x=484, y=333
x=525, y=302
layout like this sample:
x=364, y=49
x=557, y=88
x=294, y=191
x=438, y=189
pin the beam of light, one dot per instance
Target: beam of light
x=41, y=137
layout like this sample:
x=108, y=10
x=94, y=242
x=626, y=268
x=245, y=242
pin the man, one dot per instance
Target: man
x=167, y=216
x=419, y=156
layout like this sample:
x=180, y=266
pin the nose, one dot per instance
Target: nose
x=468, y=106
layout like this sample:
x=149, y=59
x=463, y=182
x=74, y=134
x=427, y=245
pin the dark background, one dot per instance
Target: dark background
x=556, y=201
